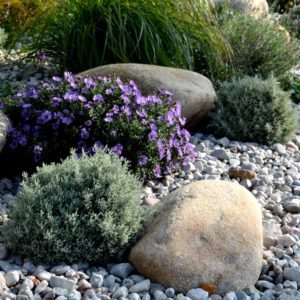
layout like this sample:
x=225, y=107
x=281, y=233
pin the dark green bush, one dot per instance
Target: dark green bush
x=259, y=48
x=79, y=34
x=291, y=83
x=254, y=110
x=80, y=210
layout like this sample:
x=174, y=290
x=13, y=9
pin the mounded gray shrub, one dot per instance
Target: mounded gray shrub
x=84, y=209
x=255, y=110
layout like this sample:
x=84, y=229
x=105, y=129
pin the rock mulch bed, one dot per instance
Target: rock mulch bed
x=272, y=174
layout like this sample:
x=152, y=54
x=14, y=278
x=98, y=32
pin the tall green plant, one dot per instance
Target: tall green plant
x=259, y=47
x=81, y=34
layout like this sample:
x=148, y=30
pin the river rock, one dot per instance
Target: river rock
x=194, y=91
x=201, y=236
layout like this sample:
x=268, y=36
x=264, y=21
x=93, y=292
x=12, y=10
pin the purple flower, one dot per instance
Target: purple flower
x=116, y=109
x=170, y=119
x=125, y=99
x=32, y=93
x=26, y=128
x=126, y=110
x=108, y=118
x=108, y=91
x=41, y=56
x=71, y=96
x=56, y=101
x=82, y=98
x=88, y=123
x=26, y=105
x=57, y=79
x=143, y=160
x=84, y=134
x=45, y=117
x=89, y=83
x=157, y=171
x=118, y=149
x=67, y=120
x=161, y=149
x=113, y=133
x=98, y=98
x=164, y=92
x=144, y=122
x=37, y=151
x=141, y=113
x=22, y=140
x=99, y=145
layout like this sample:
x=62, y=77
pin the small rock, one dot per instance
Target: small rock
x=83, y=285
x=230, y=296
x=197, y=294
x=297, y=190
x=170, y=292
x=159, y=295
x=41, y=287
x=224, y=142
x=292, y=274
x=62, y=282
x=44, y=275
x=27, y=283
x=109, y=281
x=12, y=278
x=122, y=270
x=140, y=287
x=292, y=206
x=209, y=287
x=134, y=296
x=286, y=240
x=240, y=173
x=120, y=292
x=27, y=292
x=220, y=154
x=96, y=280
x=279, y=148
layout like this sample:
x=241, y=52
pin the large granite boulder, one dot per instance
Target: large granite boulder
x=208, y=232
x=194, y=91
x=254, y=8
x=4, y=126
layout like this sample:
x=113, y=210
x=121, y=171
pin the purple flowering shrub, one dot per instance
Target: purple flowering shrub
x=77, y=112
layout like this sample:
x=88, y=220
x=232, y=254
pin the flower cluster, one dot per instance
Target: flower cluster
x=81, y=112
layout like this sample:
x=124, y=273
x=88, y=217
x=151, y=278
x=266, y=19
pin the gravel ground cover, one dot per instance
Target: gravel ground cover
x=272, y=174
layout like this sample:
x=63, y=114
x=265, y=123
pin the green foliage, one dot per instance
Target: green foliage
x=7, y=89
x=16, y=14
x=80, y=210
x=3, y=37
x=291, y=82
x=259, y=48
x=292, y=21
x=79, y=35
x=254, y=110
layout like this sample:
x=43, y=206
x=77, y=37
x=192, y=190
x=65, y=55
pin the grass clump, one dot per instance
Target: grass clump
x=254, y=110
x=259, y=47
x=83, y=209
x=79, y=35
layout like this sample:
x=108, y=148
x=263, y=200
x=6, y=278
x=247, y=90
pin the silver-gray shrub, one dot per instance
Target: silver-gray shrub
x=255, y=110
x=84, y=209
